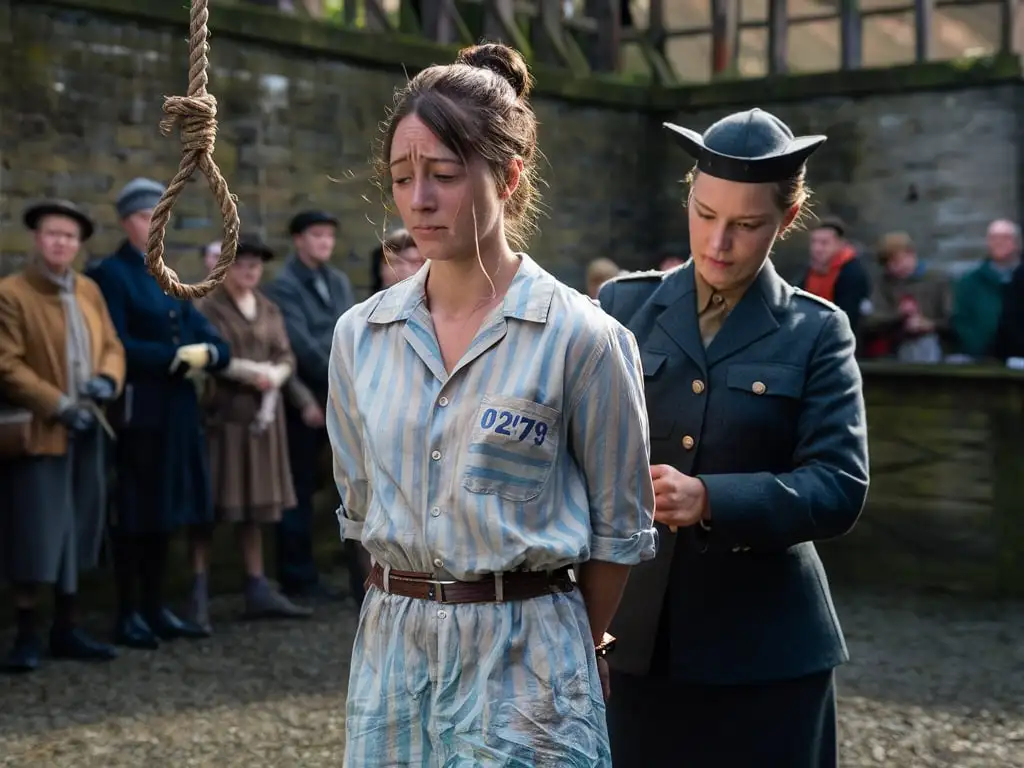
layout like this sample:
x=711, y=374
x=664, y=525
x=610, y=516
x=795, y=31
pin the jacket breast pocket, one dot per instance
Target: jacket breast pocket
x=512, y=448
x=769, y=380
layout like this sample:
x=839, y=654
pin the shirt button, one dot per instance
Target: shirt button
x=435, y=512
x=759, y=388
x=717, y=298
x=438, y=563
x=442, y=614
x=442, y=401
x=698, y=386
x=435, y=455
x=689, y=442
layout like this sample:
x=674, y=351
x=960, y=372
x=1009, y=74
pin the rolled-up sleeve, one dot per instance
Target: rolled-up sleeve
x=344, y=429
x=610, y=438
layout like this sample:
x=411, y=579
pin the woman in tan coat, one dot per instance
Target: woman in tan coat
x=59, y=358
x=248, y=449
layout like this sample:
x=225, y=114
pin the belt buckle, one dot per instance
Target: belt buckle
x=436, y=591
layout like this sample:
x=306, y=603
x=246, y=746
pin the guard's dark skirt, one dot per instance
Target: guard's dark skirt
x=163, y=480
x=655, y=723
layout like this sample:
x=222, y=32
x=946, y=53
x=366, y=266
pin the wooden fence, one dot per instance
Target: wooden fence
x=592, y=35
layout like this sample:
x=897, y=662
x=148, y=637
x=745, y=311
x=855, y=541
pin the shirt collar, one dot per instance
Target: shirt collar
x=705, y=293
x=528, y=297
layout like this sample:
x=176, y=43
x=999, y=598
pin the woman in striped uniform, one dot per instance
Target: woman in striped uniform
x=490, y=450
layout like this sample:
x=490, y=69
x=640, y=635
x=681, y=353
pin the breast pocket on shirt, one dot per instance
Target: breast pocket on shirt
x=512, y=448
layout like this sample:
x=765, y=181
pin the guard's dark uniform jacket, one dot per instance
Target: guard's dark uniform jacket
x=771, y=418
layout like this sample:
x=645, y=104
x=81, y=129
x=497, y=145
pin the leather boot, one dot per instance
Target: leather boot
x=26, y=654
x=167, y=626
x=132, y=631
x=73, y=643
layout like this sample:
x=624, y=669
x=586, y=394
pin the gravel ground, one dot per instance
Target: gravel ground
x=935, y=681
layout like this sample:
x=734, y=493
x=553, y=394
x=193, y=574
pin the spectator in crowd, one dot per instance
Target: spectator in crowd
x=670, y=262
x=245, y=427
x=394, y=260
x=311, y=295
x=160, y=458
x=836, y=273
x=209, y=254
x=979, y=293
x=599, y=272
x=60, y=358
x=1009, y=342
x=910, y=306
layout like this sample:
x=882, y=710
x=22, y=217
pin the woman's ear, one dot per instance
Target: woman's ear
x=513, y=173
x=787, y=221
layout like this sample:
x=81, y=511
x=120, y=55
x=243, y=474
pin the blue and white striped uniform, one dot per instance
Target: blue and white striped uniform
x=532, y=454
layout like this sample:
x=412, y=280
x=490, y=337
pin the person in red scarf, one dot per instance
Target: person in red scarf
x=835, y=272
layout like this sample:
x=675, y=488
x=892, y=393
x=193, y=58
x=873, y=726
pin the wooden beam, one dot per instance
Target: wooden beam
x=924, y=16
x=725, y=19
x=778, y=37
x=604, y=48
x=850, y=32
x=1011, y=37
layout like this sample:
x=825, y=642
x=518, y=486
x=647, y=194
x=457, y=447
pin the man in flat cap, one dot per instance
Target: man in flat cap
x=60, y=359
x=160, y=455
x=312, y=296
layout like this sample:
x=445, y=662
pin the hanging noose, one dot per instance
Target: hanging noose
x=197, y=115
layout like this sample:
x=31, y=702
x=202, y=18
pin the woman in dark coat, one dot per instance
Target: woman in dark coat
x=160, y=458
x=728, y=640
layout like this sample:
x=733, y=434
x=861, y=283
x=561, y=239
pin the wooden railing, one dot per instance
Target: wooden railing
x=594, y=38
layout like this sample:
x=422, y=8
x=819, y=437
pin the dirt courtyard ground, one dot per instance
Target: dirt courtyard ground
x=935, y=681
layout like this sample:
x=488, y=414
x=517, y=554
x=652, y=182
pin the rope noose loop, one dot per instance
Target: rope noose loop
x=197, y=116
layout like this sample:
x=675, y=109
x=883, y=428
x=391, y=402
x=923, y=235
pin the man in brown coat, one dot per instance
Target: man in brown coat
x=60, y=358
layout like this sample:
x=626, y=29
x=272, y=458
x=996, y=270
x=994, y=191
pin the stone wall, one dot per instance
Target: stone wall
x=932, y=150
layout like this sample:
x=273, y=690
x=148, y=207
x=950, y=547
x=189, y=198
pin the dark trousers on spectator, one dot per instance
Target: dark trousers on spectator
x=296, y=568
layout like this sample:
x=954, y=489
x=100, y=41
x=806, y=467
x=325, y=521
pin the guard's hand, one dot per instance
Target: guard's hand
x=195, y=356
x=679, y=500
x=77, y=418
x=98, y=388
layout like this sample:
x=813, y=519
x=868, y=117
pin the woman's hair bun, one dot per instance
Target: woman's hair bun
x=505, y=62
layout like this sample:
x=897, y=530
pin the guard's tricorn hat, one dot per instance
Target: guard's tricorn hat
x=59, y=208
x=753, y=147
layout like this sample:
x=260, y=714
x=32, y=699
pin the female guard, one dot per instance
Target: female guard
x=489, y=435
x=728, y=640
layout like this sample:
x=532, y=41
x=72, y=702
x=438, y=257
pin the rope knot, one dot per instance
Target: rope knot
x=197, y=116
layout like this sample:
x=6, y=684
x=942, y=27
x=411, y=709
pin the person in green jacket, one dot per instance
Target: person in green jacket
x=978, y=301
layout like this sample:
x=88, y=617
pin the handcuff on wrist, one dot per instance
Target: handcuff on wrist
x=605, y=647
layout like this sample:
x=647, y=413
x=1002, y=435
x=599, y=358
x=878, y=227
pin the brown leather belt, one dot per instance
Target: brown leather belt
x=504, y=587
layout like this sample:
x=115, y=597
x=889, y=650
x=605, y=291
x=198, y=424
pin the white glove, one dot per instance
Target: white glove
x=195, y=356
x=267, y=412
x=279, y=374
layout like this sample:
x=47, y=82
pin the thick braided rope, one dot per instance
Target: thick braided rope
x=197, y=116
